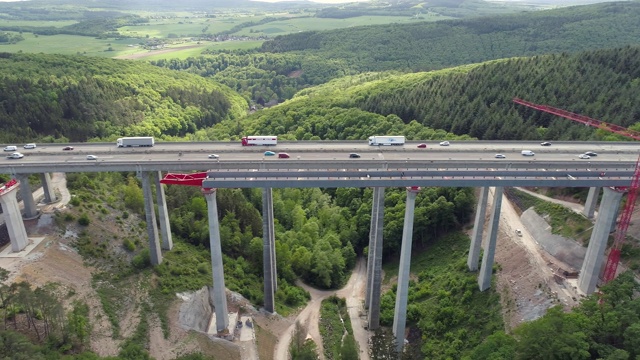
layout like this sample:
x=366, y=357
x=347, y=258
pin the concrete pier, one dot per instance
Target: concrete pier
x=47, y=188
x=150, y=217
x=592, y=264
x=592, y=200
x=163, y=214
x=269, y=251
x=402, y=292
x=486, y=269
x=30, y=209
x=374, y=277
x=478, y=228
x=217, y=268
x=12, y=216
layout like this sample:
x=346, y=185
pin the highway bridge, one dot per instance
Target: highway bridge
x=327, y=164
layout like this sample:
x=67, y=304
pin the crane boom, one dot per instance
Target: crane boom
x=616, y=129
x=621, y=232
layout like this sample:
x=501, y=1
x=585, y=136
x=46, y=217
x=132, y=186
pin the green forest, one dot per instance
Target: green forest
x=429, y=81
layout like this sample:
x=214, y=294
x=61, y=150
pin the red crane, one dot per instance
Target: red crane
x=623, y=225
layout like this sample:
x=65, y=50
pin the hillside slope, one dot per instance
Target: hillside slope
x=82, y=98
x=427, y=46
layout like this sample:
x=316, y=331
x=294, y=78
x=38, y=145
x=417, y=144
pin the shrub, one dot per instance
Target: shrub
x=84, y=220
x=129, y=245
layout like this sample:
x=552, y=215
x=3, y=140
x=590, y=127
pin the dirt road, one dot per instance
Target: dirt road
x=527, y=270
x=310, y=316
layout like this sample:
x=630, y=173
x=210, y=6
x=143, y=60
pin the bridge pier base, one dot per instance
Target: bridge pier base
x=402, y=292
x=478, y=228
x=269, y=251
x=47, y=188
x=12, y=216
x=486, y=269
x=592, y=200
x=374, y=265
x=217, y=268
x=30, y=209
x=163, y=214
x=592, y=264
x=150, y=217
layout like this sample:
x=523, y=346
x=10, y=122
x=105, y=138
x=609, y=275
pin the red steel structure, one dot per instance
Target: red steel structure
x=194, y=179
x=621, y=232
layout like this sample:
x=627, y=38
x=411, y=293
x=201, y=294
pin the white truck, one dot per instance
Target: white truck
x=386, y=140
x=259, y=140
x=138, y=141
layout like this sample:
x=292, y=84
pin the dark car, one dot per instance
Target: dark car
x=546, y=143
x=283, y=155
x=590, y=153
x=354, y=156
x=67, y=148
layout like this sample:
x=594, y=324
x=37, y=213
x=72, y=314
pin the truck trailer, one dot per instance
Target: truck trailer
x=138, y=141
x=259, y=140
x=386, y=140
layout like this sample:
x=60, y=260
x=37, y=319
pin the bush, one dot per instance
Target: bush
x=142, y=260
x=129, y=245
x=75, y=201
x=84, y=220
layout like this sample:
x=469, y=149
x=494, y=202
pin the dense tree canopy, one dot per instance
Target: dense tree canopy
x=80, y=98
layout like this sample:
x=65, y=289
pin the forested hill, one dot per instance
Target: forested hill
x=471, y=99
x=44, y=97
x=427, y=46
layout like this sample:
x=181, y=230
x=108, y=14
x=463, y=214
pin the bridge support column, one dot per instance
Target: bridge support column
x=47, y=188
x=374, y=266
x=30, y=209
x=592, y=200
x=219, y=290
x=478, y=227
x=269, y=251
x=402, y=292
x=592, y=263
x=486, y=269
x=163, y=214
x=150, y=217
x=12, y=216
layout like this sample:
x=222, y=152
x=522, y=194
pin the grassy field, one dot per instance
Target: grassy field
x=293, y=25
x=55, y=24
x=69, y=45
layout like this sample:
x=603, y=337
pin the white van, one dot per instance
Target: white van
x=527, y=153
x=30, y=146
x=11, y=148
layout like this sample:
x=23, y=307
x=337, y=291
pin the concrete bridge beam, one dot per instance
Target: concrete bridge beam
x=486, y=269
x=12, y=216
x=593, y=259
x=217, y=268
x=478, y=228
x=402, y=292
x=374, y=276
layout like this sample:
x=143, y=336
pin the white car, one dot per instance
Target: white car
x=500, y=156
x=584, y=156
x=92, y=157
x=444, y=143
x=15, y=155
x=214, y=156
x=11, y=148
x=29, y=146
